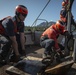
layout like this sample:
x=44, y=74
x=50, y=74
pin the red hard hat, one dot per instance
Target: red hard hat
x=20, y=9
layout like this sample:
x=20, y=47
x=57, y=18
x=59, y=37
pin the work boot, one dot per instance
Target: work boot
x=58, y=58
x=47, y=59
x=44, y=56
x=61, y=54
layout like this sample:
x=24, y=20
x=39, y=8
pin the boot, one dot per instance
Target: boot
x=47, y=58
x=58, y=58
x=61, y=54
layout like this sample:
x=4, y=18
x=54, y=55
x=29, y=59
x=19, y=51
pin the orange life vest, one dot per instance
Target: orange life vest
x=2, y=30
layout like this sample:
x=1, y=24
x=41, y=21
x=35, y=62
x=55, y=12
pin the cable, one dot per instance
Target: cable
x=41, y=13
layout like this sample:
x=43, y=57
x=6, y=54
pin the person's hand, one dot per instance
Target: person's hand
x=60, y=53
x=58, y=50
x=68, y=34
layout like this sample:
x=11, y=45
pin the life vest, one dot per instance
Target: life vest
x=2, y=30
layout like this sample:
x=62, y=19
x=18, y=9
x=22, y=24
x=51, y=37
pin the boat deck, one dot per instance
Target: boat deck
x=35, y=50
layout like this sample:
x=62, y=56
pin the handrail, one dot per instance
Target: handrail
x=43, y=20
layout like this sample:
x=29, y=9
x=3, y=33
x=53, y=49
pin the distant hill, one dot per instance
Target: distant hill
x=40, y=27
x=45, y=24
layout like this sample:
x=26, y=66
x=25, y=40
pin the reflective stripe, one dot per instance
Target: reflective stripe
x=52, y=29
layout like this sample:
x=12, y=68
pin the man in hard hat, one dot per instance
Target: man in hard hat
x=10, y=26
x=49, y=37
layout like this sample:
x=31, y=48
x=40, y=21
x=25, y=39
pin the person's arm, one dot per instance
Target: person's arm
x=14, y=44
x=22, y=40
x=9, y=29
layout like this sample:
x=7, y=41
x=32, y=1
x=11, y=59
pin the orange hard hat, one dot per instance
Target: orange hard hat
x=21, y=9
x=60, y=25
x=63, y=3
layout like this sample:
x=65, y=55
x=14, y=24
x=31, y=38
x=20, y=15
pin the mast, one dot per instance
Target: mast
x=69, y=7
x=69, y=16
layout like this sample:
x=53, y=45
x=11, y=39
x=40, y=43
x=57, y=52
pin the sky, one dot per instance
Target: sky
x=51, y=12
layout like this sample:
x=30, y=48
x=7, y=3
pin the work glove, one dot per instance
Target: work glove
x=68, y=35
x=60, y=53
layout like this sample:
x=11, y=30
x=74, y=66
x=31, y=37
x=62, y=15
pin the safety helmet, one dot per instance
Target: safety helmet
x=63, y=13
x=60, y=25
x=21, y=9
x=64, y=3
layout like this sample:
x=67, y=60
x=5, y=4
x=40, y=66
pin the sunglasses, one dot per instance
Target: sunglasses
x=24, y=15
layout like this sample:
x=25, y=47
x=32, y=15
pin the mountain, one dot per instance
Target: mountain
x=45, y=24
